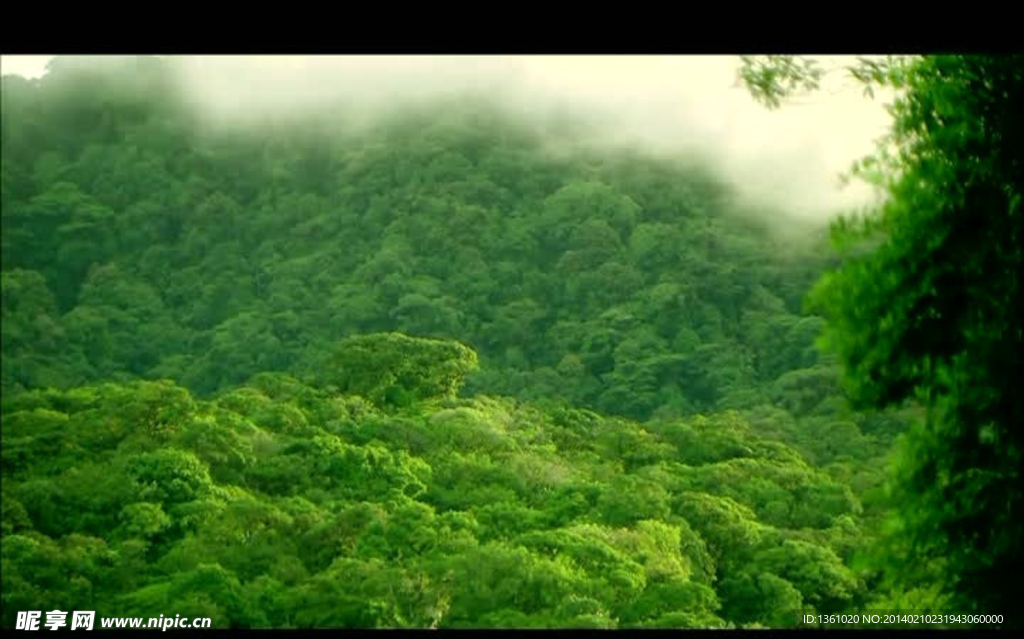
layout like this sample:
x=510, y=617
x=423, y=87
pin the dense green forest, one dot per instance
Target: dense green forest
x=457, y=368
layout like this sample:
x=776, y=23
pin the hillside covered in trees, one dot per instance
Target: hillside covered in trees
x=451, y=369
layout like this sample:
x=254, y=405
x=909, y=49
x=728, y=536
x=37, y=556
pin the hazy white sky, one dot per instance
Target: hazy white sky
x=30, y=66
x=788, y=157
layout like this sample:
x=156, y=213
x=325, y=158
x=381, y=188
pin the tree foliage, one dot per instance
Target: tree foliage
x=925, y=308
x=429, y=373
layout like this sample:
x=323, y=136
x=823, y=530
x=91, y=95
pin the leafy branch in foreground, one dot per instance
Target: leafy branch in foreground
x=931, y=312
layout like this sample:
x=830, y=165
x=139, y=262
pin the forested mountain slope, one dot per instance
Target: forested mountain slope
x=646, y=434
x=614, y=281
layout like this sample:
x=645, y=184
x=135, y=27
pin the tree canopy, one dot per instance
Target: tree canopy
x=428, y=373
